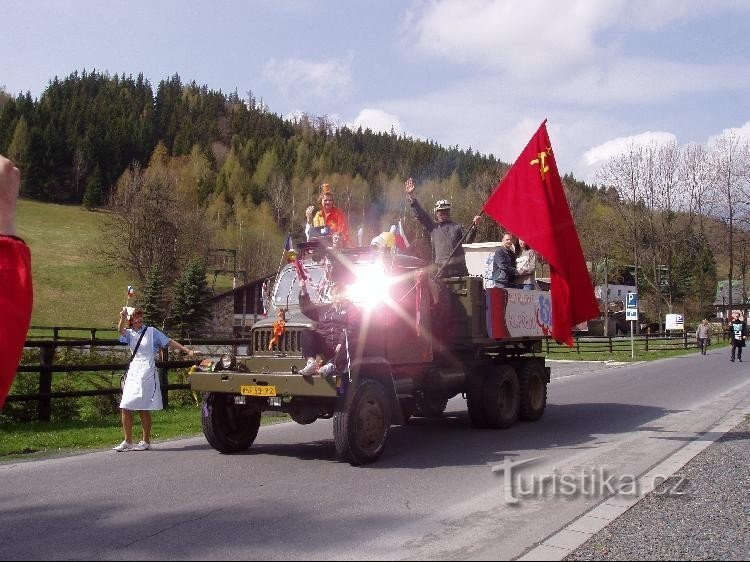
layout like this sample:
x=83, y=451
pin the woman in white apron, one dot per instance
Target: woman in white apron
x=141, y=392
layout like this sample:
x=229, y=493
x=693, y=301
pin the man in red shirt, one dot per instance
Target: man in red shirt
x=329, y=216
x=16, y=292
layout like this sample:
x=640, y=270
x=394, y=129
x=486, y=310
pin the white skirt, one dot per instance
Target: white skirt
x=142, y=390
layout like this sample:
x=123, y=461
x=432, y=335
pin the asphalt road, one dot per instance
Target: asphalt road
x=433, y=494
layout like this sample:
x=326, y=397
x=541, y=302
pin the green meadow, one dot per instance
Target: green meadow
x=73, y=284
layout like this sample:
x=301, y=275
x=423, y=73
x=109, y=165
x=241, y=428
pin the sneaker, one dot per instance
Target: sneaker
x=124, y=446
x=310, y=369
x=142, y=446
x=327, y=370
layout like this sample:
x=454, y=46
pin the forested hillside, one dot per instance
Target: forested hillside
x=185, y=171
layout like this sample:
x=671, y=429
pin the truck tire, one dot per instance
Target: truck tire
x=361, y=430
x=533, y=386
x=430, y=406
x=229, y=427
x=501, y=397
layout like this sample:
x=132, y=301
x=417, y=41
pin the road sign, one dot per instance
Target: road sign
x=631, y=314
x=675, y=322
x=632, y=301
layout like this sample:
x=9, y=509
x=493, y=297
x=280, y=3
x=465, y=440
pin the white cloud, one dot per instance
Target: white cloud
x=600, y=154
x=377, y=120
x=646, y=80
x=301, y=79
x=576, y=45
x=742, y=132
x=530, y=38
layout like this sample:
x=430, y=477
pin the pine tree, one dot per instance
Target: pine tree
x=154, y=298
x=94, y=193
x=189, y=310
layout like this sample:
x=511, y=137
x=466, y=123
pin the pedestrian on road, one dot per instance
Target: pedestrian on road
x=142, y=390
x=739, y=333
x=702, y=334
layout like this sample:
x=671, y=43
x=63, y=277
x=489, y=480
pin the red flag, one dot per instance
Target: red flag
x=16, y=299
x=530, y=202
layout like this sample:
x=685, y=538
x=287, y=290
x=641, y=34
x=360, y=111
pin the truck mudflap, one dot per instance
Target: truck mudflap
x=266, y=385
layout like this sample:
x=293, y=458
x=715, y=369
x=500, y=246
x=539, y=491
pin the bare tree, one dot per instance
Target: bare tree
x=149, y=226
x=730, y=159
x=278, y=196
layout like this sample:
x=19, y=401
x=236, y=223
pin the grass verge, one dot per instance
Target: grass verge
x=641, y=354
x=35, y=440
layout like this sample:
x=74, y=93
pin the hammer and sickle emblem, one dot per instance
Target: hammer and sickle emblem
x=541, y=160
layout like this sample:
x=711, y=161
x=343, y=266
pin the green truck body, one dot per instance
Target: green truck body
x=422, y=342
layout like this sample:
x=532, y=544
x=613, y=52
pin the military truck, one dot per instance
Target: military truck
x=421, y=342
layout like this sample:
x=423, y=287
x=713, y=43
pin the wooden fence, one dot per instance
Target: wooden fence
x=641, y=343
x=47, y=367
x=48, y=349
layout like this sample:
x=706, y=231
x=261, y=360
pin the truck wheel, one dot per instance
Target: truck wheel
x=430, y=406
x=533, y=387
x=229, y=427
x=501, y=397
x=361, y=430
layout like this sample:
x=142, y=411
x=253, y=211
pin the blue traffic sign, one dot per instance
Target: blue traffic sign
x=632, y=301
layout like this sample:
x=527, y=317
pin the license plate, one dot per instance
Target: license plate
x=254, y=390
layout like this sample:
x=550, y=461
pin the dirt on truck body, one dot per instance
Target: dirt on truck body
x=421, y=342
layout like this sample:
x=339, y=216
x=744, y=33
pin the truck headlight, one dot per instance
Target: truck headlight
x=371, y=287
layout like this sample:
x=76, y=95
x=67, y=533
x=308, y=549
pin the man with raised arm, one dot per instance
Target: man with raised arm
x=446, y=236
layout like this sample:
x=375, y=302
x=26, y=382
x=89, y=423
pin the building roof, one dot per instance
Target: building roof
x=249, y=285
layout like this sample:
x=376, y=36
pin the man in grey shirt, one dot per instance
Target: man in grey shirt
x=445, y=235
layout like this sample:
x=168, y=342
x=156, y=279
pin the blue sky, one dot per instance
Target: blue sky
x=473, y=73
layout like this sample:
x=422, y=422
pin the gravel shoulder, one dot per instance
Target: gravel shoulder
x=707, y=517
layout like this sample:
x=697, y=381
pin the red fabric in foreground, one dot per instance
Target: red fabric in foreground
x=16, y=300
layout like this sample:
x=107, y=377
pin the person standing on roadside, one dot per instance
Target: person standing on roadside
x=16, y=292
x=738, y=331
x=702, y=334
x=141, y=391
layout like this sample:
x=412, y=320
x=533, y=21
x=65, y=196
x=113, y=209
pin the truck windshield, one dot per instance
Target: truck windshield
x=287, y=287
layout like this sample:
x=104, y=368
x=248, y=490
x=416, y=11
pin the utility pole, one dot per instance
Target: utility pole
x=605, y=297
